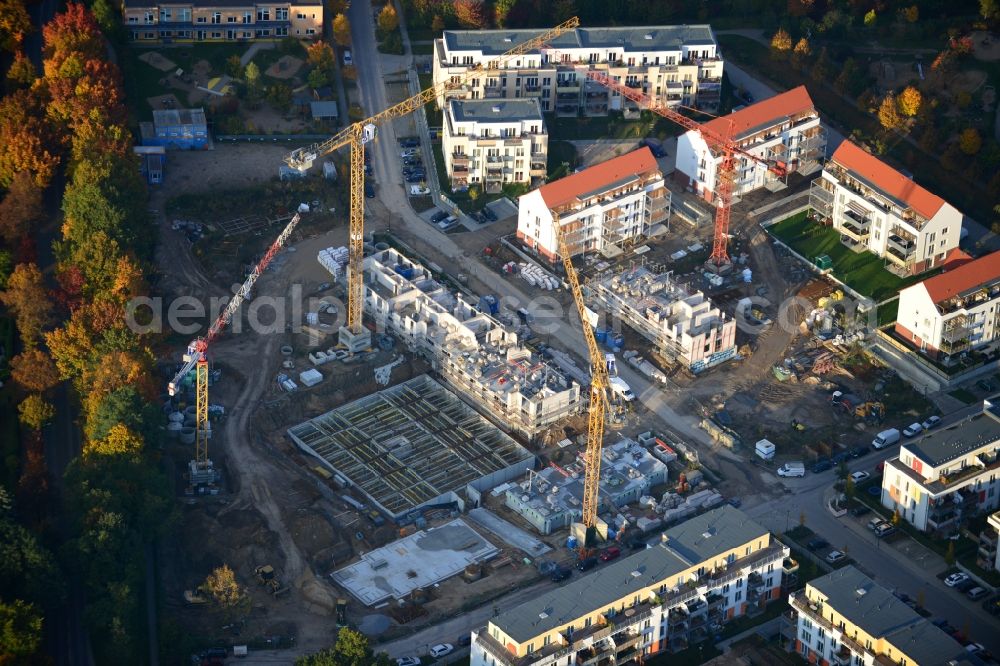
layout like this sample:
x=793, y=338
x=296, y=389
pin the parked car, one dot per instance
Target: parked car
x=822, y=466
x=416, y=177
x=409, y=142
x=977, y=593
x=447, y=223
x=966, y=585
x=913, y=430
x=860, y=510
x=560, y=574
x=931, y=422
x=369, y=190
x=984, y=385
x=956, y=578
x=442, y=649
x=419, y=191
x=835, y=556
x=735, y=502
x=464, y=640
x=489, y=214
x=858, y=477
x=413, y=162
x=610, y=554
x=975, y=648
x=408, y=661
x=408, y=152
x=587, y=564
x=875, y=522
x=348, y=60
x=817, y=543
x=860, y=451
x=438, y=216
x=884, y=530
x=637, y=544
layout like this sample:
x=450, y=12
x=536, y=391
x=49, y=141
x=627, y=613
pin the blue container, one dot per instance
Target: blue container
x=611, y=535
x=601, y=336
x=405, y=270
x=618, y=340
x=571, y=543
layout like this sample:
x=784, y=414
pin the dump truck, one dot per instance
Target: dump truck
x=647, y=368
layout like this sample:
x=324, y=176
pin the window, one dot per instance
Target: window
x=248, y=17
x=148, y=17
x=216, y=17
x=281, y=14
x=300, y=15
x=165, y=15
x=531, y=648
x=231, y=19
x=309, y=31
x=263, y=14
x=133, y=19
x=200, y=19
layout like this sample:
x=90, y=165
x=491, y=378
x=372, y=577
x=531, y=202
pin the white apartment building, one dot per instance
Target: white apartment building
x=492, y=143
x=473, y=352
x=673, y=64
x=600, y=209
x=947, y=475
x=988, y=555
x=684, y=326
x=783, y=130
x=953, y=312
x=880, y=210
x=846, y=619
x=705, y=571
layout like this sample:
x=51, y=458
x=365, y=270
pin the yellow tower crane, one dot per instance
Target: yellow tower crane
x=354, y=336
x=599, y=388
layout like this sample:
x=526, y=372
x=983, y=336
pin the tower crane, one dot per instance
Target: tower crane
x=353, y=336
x=196, y=359
x=721, y=143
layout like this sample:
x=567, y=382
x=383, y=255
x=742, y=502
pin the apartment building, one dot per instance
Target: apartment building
x=706, y=571
x=880, y=210
x=600, y=209
x=784, y=131
x=672, y=64
x=492, y=143
x=221, y=20
x=988, y=555
x=473, y=352
x=947, y=475
x=683, y=325
x=847, y=619
x=953, y=312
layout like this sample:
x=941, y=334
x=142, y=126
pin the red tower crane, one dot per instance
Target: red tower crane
x=718, y=143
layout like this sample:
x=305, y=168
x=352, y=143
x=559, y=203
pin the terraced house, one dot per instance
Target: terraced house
x=846, y=619
x=880, y=210
x=221, y=20
x=673, y=64
x=705, y=571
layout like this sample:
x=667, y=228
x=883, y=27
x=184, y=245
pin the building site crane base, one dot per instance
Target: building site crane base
x=718, y=269
x=354, y=342
x=201, y=474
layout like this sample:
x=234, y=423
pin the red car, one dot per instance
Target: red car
x=610, y=554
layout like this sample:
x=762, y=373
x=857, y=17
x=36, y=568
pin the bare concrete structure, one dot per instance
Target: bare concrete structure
x=473, y=352
x=413, y=445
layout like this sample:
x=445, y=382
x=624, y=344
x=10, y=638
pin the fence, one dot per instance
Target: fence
x=251, y=138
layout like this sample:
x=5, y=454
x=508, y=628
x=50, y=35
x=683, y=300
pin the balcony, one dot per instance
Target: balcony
x=904, y=247
x=492, y=92
x=855, y=230
x=567, y=86
x=459, y=158
x=852, y=243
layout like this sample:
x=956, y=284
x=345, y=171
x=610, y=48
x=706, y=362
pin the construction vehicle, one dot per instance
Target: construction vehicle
x=196, y=597
x=717, y=143
x=200, y=469
x=267, y=577
x=354, y=336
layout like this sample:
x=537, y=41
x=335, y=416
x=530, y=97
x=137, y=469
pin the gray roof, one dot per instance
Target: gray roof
x=485, y=111
x=881, y=614
x=662, y=38
x=163, y=117
x=204, y=4
x=955, y=441
x=324, y=109
x=728, y=527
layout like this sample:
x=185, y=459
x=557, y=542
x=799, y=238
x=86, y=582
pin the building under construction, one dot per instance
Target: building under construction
x=684, y=326
x=553, y=498
x=474, y=353
x=411, y=446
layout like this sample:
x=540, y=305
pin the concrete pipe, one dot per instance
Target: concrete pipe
x=286, y=350
x=187, y=435
x=174, y=429
x=175, y=417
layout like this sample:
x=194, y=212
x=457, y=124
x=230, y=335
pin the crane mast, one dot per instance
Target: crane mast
x=353, y=335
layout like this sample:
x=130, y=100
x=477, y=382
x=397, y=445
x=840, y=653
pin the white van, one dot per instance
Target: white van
x=792, y=469
x=620, y=388
x=885, y=438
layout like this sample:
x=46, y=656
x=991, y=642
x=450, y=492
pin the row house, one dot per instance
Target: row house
x=673, y=64
x=880, y=210
x=955, y=312
x=600, y=209
x=948, y=475
x=783, y=131
x=221, y=20
x=704, y=572
x=492, y=143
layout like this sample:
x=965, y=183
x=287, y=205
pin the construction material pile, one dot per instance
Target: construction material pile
x=537, y=277
x=334, y=259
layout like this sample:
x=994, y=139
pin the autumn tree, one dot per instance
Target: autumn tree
x=341, y=30
x=21, y=208
x=106, y=16
x=969, y=141
x=888, y=114
x=26, y=139
x=317, y=78
x=801, y=53
x=27, y=298
x=34, y=370
x=781, y=42
x=233, y=66
x=320, y=55
x=470, y=13
x=437, y=23
x=387, y=19
x=222, y=586
x=989, y=9
x=800, y=7
x=870, y=18
x=823, y=67
x=120, y=441
x=71, y=38
x=35, y=411
x=910, y=14
x=22, y=71
x=252, y=76
x=909, y=101
x=501, y=8
x=14, y=24
x=20, y=632
x=351, y=649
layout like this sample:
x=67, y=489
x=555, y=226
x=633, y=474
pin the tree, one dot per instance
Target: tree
x=989, y=9
x=470, y=13
x=949, y=555
x=437, y=23
x=351, y=649
x=801, y=53
x=20, y=631
x=35, y=411
x=849, y=488
x=870, y=18
x=120, y=441
x=317, y=78
x=73, y=34
x=320, y=54
x=888, y=114
x=234, y=67
x=910, y=14
x=26, y=297
x=280, y=95
x=21, y=208
x=25, y=138
x=474, y=192
x=222, y=586
x=501, y=8
x=969, y=141
x=106, y=16
x=252, y=75
x=387, y=19
x=823, y=67
x=341, y=30
x=909, y=101
x=6, y=267
x=14, y=24
x=896, y=517
x=34, y=370
x=22, y=71
x=781, y=42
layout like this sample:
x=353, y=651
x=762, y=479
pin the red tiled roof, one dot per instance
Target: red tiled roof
x=765, y=112
x=565, y=190
x=853, y=158
x=956, y=257
x=967, y=276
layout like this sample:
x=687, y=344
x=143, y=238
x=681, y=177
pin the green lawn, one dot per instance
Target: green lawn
x=142, y=81
x=421, y=49
x=612, y=126
x=862, y=271
x=560, y=152
x=964, y=395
